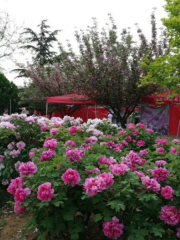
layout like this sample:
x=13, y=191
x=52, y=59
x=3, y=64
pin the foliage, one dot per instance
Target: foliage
x=79, y=187
x=8, y=91
x=32, y=98
x=165, y=70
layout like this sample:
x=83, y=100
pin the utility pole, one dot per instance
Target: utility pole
x=10, y=107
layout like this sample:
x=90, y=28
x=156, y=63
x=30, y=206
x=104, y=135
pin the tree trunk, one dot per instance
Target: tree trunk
x=121, y=120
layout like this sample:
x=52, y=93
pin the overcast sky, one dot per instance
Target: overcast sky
x=70, y=14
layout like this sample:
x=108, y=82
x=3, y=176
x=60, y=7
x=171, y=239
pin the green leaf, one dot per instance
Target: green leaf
x=157, y=231
x=74, y=236
x=98, y=217
x=116, y=205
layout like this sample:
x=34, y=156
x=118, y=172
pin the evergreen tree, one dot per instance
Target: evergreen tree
x=41, y=43
x=8, y=92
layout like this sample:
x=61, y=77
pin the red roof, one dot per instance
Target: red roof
x=73, y=98
x=161, y=98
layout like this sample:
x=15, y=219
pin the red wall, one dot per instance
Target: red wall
x=85, y=113
x=174, y=118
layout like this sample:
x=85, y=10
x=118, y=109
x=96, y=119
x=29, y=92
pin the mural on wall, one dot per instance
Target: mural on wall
x=156, y=118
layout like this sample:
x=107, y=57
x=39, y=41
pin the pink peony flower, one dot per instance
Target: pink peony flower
x=174, y=151
x=176, y=141
x=92, y=140
x=139, y=174
x=21, y=195
x=107, y=161
x=170, y=215
x=50, y=143
x=149, y=131
x=131, y=159
x=160, y=174
x=58, y=166
x=74, y=155
x=54, y=131
x=135, y=133
x=45, y=192
x=111, y=145
x=17, y=165
x=128, y=139
x=85, y=146
x=160, y=163
x=20, y=145
x=71, y=143
x=71, y=177
x=119, y=147
x=178, y=232
x=124, y=143
x=15, y=183
x=47, y=155
x=160, y=150
x=31, y=119
x=31, y=154
x=121, y=133
x=11, y=145
x=73, y=130
x=143, y=153
x=131, y=126
x=94, y=171
x=109, y=136
x=44, y=128
x=14, y=153
x=167, y=192
x=140, y=125
x=141, y=143
x=151, y=184
x=162, y=142
x=93, y=186
x=18, y=209
x=7, y=125
x=119, y=169
x=107, y=179
x=1, y=158
x=97, y=133
x=28, y=169
x=6, y=182
x=113, y=229
x=102, y=143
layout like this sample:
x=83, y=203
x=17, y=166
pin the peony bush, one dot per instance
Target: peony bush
x=95, y=178
x=18, y=135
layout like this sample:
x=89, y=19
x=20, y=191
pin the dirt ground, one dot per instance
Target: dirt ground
x=12, y=227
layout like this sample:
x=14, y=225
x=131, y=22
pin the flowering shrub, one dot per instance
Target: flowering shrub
x=18, y=135
x=118, y=184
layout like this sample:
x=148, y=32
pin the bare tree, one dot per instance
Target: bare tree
x=10, y=36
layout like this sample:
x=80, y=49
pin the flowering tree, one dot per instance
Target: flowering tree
x=46, y=81
x=108, y=68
